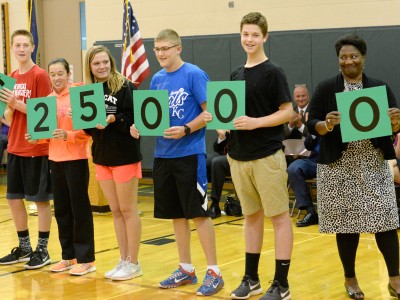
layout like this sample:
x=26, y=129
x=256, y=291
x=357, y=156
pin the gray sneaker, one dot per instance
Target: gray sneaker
x=128, y=271
x=247, y=288
x=276, y=292
x=119, y=266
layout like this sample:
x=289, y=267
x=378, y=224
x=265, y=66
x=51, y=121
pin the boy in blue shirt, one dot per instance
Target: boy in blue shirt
x=179, y=172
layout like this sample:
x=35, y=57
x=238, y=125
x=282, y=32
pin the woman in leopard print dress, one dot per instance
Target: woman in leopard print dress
x=355, y=188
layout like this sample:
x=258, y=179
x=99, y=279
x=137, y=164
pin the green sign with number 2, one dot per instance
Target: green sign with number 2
x=41, y=117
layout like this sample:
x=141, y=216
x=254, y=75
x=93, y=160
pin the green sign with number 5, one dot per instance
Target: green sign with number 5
x=88, y=106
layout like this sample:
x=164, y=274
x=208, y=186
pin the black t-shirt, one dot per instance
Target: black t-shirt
x=266, y=90
x=114, y=146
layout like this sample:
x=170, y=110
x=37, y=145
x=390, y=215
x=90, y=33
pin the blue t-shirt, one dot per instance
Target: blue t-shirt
x=187, y=90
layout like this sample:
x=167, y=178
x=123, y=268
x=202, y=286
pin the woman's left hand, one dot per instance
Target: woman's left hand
x=109, y=119
x=134, y=132
x=394, y=114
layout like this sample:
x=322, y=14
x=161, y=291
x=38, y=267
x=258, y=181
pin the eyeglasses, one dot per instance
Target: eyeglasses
x=163, y=49
x=300, y=84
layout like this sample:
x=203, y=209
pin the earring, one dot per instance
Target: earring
x=340, y=70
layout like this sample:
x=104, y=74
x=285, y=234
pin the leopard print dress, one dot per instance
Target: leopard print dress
x=356, y=193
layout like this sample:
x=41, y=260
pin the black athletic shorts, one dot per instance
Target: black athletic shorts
x=180, y=187
x=28, y=178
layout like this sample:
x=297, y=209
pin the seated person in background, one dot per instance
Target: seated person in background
x=217, y=170
x=296, y=128
x=298, y=172
x=3, y=136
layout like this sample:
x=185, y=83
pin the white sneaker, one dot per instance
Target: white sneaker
x=128, y=271
x=119, y=266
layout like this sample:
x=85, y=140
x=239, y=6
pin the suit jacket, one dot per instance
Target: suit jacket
x=295, y=133
x=312, y=144
x=221, y=147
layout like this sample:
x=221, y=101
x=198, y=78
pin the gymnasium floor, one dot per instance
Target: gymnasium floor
x=315, y=271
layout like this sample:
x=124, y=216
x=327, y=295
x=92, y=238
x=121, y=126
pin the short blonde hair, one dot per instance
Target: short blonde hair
x=116, y=79
x=169, y=35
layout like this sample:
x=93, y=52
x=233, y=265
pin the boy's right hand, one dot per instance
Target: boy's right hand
x=8, y=97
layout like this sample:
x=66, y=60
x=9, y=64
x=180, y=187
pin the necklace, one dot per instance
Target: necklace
x=352, y=86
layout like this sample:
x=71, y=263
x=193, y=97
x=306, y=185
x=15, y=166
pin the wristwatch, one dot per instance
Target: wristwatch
x=187, y=130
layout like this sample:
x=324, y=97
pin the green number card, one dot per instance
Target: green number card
x=364, y=114
x=226, y=102
x=7, y=82
x=151, y=111
x=88, y=106
x=41, y=117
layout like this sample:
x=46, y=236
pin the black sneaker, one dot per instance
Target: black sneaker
x=39, y=258
x=276, y=292
x=247, y=288
x=17, y=255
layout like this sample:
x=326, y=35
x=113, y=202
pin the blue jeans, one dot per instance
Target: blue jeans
x=298, y=172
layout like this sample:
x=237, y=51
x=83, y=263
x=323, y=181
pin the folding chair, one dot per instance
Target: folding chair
x=295, y=148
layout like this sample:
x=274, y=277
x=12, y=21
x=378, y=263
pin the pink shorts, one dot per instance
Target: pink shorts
x=119, y=174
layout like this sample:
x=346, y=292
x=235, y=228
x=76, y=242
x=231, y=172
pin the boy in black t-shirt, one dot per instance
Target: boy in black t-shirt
x=257, y=162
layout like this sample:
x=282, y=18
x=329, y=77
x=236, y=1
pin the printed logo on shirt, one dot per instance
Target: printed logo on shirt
x=176, y=101
x=111, y=104
x=21, y=92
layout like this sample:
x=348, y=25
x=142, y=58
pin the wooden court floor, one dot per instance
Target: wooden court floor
x=315, y=271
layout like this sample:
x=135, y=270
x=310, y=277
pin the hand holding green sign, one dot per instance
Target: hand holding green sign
x=364, y=114
x=41, y=117
x=5, y=82
x=151, y=112
x=88, y=107
x=225, y=102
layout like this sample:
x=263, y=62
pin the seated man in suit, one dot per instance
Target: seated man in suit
x=296, y=128
x=217, y=170
x=298, y=172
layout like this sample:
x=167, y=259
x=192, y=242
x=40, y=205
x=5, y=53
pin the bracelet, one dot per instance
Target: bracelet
x=326, y=126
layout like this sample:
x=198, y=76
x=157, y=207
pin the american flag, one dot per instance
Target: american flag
x=33, y=30
x=134, y=64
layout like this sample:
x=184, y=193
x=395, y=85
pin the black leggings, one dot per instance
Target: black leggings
x=388, y=244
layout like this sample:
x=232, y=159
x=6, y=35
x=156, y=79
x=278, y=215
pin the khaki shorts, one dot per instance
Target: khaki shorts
x=261, y=184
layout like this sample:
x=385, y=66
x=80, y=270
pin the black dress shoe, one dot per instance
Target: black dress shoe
x=354, y=295
x=214, y=211
x=393, y=292
x=309, y=219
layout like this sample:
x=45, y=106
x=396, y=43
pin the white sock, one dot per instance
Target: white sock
x=215, y=269
x=187, y=267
